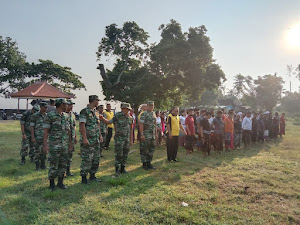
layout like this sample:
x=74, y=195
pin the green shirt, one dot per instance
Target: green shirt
x=25, y=120
x=37, y=121
x=72, y=122
x=103, y=126
x=91, y=120
x=149, y=120
x=122, y=124
x=59, y=127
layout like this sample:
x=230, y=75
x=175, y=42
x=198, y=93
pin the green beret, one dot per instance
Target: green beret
x=70, y=102
x=44, y=104
x=93, y=97
x=125, y=105
x=60, y=101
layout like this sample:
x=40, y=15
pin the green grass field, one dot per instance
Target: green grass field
x=214, y=187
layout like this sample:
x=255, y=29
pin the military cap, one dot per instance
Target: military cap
x=44, y=104
x=60, y=101
x=36, y=108
x=70, y=102
x=93, y=97
x=101, y=106
x=125, y=105
x=150, y=103
x=33, y=102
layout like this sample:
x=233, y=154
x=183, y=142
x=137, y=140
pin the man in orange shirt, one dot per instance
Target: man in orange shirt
x=229, y=127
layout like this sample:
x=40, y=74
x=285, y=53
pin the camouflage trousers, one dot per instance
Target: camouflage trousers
x=70, y=157
x=38, y=151
x=121, y=150
x=24, y=147
x=147, y=150
x=57, y=158
x=90, y=158
x=102, y=144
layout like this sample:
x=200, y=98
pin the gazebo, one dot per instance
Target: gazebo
x=39, y=90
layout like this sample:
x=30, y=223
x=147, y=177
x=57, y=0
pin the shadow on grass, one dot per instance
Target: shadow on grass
x=24, y=198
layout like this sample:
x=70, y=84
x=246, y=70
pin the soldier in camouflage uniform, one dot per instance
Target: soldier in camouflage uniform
x=103, y=128
x=147, y=125
x=90, y=139
x=37, y=135
x=26, y=134
x=72, y=122
x=123, y=136
x=57, y=127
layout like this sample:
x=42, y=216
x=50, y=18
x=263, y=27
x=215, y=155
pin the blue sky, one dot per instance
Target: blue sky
x=248, y=37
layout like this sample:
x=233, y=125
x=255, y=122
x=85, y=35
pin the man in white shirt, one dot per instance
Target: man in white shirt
x=182, y=118
x=247, y=129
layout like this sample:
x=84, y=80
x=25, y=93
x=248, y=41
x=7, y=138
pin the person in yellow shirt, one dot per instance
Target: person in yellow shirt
x=173, y=126
x=109, y=114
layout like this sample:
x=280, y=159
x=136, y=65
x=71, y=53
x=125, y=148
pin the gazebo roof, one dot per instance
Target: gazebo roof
x=40, y=90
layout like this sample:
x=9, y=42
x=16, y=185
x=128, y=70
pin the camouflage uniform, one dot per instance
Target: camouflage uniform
x=25, y=120
x=123, y=125
x=37, y=121
x=59, y=127
x=103, y=129
x=72, y=122
x=90, y=154
x=148, y=145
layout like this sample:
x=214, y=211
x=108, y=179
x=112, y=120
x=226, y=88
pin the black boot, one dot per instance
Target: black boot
x=84, y=180
x=52, y=184
x=117, y=173
x=145, y=166
x=43, y=165
x=37, y=165
x=22, y=160
x=123, y=169
x=150, y=166
x=69, y=174
x=60, y=183
x=94, y=178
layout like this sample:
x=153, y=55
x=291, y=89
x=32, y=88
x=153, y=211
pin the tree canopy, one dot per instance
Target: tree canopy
x=180, y=65
x=16, y=73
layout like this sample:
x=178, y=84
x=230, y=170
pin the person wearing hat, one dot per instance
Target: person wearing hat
x=72, y=122
x=103, y=128
x=123, y=136
x=26, y=135
x=109, y=115
x=147, y=126
x=57, y=142
x=37, y=134
x=89, y=127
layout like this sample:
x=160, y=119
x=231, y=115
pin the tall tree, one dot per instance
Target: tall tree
x=183, y=63
x=290, y=73
x=130, y=75
x=12, y=64
x=180, y=65
x=16, y=73
x=242, y=84
x=297, y=71
x=268, y=91
x=60, y=77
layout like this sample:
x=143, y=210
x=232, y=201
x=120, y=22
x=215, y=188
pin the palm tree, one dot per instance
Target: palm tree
x=242, y=84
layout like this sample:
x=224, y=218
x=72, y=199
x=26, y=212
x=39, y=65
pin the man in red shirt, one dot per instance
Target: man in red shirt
x=190, y=130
